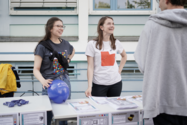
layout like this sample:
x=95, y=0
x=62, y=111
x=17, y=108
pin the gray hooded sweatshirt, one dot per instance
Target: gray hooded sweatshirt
x=161, y=56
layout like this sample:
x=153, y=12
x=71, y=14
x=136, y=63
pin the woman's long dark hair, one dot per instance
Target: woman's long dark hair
x=99, y=38
x=48, y=28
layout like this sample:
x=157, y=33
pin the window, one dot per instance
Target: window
x=102, y=4
x=43, y=7
x=71, y=71
x=122, y=4
x=121, y=7
x=25, y=69
x=131, y=71
x=134, y=4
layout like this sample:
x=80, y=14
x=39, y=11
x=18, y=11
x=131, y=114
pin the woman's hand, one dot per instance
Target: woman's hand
x=123, y=61
x=37, y=73
x=46, y=82
x=88, y=92
x=89, y=75
x=68, y=60
x=119, y=71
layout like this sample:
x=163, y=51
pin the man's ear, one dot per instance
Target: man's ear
x=167, y=1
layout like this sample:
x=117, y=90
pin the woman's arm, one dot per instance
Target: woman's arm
x=123, y=61
x=71, y=56
x=89, y=75
x=37, y=74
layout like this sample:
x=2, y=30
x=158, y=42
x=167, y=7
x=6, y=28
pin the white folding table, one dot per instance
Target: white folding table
x=64, y=111
x=36, y=104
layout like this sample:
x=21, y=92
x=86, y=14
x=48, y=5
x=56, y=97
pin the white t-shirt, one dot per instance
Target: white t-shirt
x=105, y=66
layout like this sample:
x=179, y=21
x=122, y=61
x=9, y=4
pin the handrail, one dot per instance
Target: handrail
x=33, y=52
x=71, y=91
x=74, y=69
x=33, y=80
x=78, y=80
x=31, y=74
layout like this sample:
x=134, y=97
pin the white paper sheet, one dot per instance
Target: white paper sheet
x=135, y=98
x=123, y=118
x=6, y=121
x=33, y=118
x=120, y=103
x=81, y=107
x=94, y=119
x=120, y=119
x=9, y=119
x=99, y=100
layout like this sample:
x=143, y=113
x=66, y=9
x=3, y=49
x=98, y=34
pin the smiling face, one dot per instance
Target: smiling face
x=57, y=29
x=108, y=26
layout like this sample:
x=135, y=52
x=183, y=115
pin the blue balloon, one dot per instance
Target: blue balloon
x=58, y=91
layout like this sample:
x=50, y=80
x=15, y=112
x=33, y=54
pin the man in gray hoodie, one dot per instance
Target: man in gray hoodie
x=161, y=56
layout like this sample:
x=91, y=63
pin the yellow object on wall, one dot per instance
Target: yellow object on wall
x=7, y=79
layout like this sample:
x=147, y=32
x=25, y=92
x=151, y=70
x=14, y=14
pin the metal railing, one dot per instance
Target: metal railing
x=33, y=52
x=33, y=80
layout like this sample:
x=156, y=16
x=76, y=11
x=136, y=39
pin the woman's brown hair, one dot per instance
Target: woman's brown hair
x=48, y=28
x=99, y=38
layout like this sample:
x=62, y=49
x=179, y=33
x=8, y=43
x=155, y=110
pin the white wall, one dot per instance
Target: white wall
x=81, y=23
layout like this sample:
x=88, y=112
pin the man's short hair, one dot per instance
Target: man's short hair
x=178, y=2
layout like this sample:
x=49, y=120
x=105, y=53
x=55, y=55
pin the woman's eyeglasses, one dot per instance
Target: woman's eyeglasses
x=60, y=26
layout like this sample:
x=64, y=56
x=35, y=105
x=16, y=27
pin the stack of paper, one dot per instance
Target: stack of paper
x=83, y=106
x=121, y=103
x=137, y=98
x=99, y=100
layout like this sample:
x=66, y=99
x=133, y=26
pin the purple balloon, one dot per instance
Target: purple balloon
x=58, y=91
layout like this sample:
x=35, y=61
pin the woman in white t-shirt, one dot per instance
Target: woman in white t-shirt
x=104, y=75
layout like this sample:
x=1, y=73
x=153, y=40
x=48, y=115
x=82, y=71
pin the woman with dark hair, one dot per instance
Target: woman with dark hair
x=52, y=55
x=103, y=70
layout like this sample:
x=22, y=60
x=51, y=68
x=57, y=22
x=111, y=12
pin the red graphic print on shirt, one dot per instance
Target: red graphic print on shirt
x=107, y=59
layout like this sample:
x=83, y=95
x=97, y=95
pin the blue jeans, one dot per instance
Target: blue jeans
x=65, y=78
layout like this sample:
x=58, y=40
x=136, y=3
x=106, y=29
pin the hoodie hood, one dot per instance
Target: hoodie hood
x=171, y=18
